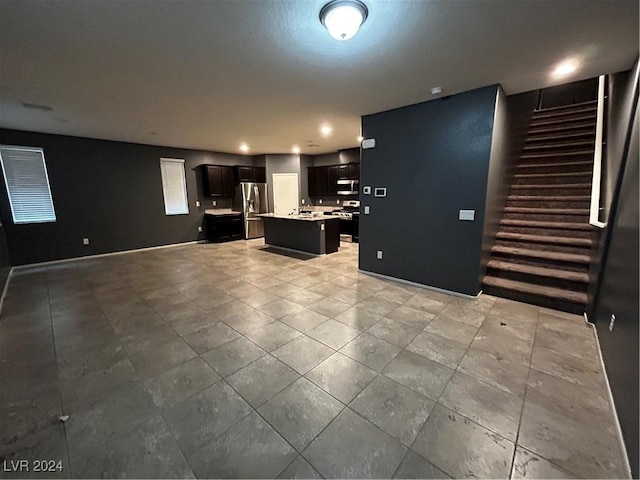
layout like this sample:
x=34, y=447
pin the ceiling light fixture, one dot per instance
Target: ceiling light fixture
x=326, y=130
x=343, y=18
x=360, y=139
x=564, y=69
x=244, y=147
x=295, y=149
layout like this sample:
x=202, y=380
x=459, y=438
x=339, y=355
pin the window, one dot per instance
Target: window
x=25, y=175
x=174, y=186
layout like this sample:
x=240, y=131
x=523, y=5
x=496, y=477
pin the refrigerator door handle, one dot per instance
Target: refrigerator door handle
x=256, y=192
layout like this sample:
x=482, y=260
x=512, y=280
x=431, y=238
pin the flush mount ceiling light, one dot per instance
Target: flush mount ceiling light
x=564, y=69
x=244, y=147
x=343, y=18
x=326, y=130
x=295, y=149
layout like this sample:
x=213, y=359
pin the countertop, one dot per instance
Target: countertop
x=306, y=218
x=221, y=211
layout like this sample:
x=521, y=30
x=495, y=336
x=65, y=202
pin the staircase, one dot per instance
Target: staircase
x=541, y=253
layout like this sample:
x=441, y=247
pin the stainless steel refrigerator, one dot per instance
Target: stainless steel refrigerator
x=251, y=199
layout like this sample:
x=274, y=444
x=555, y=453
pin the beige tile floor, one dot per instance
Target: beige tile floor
x=235, y=361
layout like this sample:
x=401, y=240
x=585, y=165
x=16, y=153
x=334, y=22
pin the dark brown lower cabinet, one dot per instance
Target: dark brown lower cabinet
x=224, y=228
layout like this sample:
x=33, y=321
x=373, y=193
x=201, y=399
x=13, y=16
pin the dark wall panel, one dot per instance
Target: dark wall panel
x=110, y=192
x=512, y=117
x=570, y=93
x=433, y=158
x=619, y=296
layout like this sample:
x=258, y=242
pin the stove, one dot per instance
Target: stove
x=349, y=218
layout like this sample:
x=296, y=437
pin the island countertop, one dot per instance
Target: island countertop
x=306, y=218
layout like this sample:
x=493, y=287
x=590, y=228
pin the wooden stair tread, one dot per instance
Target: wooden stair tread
x=551, y=225
x=558, y=154
x=560, y=128
x=559, y=145
x=562, y=136
x=555, y=240
x=542, y=254
x=552, y=175
x=539, y=290
x=548, y=211
x=555, y=121
x=567, y=186
x=589, y=109
x=567, y=107
x=571, y=276
x=557, y=164
x=551, y=198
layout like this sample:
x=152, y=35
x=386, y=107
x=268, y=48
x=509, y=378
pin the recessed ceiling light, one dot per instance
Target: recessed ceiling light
x=343, y=18
x=295, y=149
x=565, y=68
x=436, y=90
x=244, y=147
x=326, y=130
x=360, y=139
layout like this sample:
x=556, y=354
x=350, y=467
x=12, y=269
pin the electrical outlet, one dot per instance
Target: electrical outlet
x=320, y=201
x=214, y=203
x=338, y=201
x=379, y=255
x=303, y=201
x=85, y=241
x=200, y=229
x=197, y=203
x=366, y=209
x=612, y=322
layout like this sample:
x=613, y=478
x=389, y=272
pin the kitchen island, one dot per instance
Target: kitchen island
x=317, y=234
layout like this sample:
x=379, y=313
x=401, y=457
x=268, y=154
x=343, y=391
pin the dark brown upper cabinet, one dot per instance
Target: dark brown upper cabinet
x=334, y=172
x=218, y=181
x=251, y=174
x=324, y=180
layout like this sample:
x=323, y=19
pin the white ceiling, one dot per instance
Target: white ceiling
x=212, y=74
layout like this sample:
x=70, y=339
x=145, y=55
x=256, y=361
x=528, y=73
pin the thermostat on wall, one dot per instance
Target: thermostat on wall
x=366, y=190
x=380, y=192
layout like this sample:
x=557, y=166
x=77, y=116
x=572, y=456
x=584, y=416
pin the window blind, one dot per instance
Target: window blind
x=25, y=175
x=174, y=187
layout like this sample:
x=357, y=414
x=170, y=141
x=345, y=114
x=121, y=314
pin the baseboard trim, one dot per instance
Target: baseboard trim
x=4, y=290
x=420, y=285
x=623, y=446
x=101, y=255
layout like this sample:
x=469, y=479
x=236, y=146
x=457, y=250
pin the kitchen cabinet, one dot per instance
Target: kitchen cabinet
x=251, y=174
x=354, y=171
x=318, y=181
x=334, y=172
x=218, y=181
x=324, y=180
x=224, y=228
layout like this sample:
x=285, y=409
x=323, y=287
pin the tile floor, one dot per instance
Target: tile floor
x=232, y=361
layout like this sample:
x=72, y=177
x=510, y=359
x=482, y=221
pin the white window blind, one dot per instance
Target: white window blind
x=174, y=186
x=25, y=175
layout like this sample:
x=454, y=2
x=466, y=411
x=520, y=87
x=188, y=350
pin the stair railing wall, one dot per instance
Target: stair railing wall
x=595, y=209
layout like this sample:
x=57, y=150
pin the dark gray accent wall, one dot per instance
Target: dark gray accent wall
x=618, y=295
x=5, y=261
x=286, y=163
x=306, y=161
x=110, y=192
x=511, y=123
x=569, y=93
x=622, y=98
x=433, y=158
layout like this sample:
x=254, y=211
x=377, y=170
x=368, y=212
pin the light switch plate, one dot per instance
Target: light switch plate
x=214, y=203
x=379, y=255
x=369, y=143
x=366, y=209
x=197, y=203
x=322, y=226
x=468, y=215
x=366, y=190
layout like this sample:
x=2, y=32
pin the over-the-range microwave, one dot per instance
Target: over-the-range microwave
x=348, y=187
